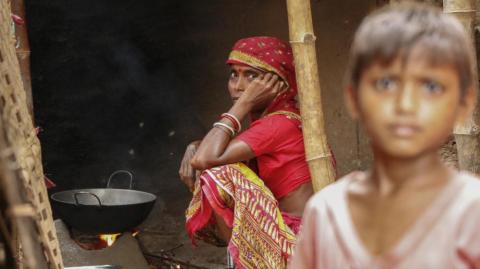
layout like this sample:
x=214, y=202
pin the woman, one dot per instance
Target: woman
x=258, y=215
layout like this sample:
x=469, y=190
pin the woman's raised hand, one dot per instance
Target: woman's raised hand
x=262, y=90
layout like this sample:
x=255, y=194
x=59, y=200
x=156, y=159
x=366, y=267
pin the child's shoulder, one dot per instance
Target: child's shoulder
x=465, y=210
x=335, y=192
x=470, y=192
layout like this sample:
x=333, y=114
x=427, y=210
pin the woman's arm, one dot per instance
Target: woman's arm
x=218, y=148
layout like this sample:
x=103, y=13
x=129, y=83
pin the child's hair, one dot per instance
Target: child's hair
x=393, y=31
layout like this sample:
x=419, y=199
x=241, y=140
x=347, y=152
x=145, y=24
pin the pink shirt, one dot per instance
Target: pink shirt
x=447, y=235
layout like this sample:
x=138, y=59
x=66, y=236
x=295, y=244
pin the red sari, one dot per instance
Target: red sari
x=261, y=237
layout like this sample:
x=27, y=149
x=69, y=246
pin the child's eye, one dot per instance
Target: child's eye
x=432, y=87
x=386, y=84
x=233, y=74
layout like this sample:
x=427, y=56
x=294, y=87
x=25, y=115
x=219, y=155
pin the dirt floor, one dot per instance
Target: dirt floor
x=163, y=233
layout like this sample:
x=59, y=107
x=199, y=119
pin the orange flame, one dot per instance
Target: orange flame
x=109, y=238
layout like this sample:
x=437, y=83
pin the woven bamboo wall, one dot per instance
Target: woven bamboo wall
x=21, y=135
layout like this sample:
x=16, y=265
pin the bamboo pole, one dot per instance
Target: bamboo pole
x=23, y=52
x=302, y=39
x=466, y=134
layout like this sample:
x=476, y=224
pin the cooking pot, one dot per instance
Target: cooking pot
x=103, y=210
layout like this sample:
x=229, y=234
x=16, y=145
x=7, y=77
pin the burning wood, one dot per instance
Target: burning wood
x=109, y=239
x=94, y=242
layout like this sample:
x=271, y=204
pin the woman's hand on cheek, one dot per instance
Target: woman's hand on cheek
x=262, y=90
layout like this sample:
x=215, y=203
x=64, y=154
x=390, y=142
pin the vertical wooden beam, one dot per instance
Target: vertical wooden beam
x=23, y=52
x=302, y=39
x=466, y=134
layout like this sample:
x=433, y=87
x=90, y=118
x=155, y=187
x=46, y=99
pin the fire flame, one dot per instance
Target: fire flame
x=109, y=238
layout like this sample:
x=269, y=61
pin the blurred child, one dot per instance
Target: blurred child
x=411, y=80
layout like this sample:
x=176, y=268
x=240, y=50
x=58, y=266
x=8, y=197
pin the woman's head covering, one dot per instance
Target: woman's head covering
x=271, y=55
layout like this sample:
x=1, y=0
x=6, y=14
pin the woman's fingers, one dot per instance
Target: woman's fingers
x=283, y=88
x=266, y=85
x=186, y=171
x=271, y=82
x=277, y=87
x=188, y=177
x=267, y=77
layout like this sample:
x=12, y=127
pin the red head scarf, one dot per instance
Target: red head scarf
x=271, y=55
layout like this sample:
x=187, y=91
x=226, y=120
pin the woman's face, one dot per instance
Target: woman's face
x=240, y=77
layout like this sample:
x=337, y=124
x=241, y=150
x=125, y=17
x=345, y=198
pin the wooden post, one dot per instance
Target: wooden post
x=23, y=52
x=302, y=39
x=467, y=134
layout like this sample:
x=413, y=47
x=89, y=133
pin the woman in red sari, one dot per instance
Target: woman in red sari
x=256, y=208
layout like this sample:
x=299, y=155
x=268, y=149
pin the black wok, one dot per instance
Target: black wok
x=103, y=210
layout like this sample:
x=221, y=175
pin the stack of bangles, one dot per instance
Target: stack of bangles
x=232, y=130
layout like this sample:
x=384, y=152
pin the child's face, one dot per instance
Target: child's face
x=409, y=109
